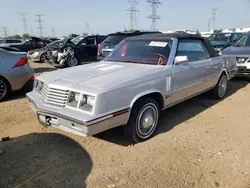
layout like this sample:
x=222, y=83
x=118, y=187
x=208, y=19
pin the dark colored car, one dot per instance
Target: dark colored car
x=10, y=41
x=29, y=44
x=113, y=39
x=86, y=47
x=220, y=41
x=241, y=50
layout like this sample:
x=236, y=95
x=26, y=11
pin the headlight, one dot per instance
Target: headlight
x=74, y=99
x=35, y=54
x=87, y=102
x=38, y=85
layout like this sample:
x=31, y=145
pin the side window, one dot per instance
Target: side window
x=90, y=41
x=100, y=39
x=193, y=49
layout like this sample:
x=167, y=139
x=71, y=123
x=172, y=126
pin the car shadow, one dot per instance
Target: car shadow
x=169, y=119
x=43, y=160
x=43, y=69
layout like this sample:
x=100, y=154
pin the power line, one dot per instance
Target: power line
x=40, y=23
x=5, y=31
x=154, y=17
x=24, y=19
x=132, y=13
x=214, y=17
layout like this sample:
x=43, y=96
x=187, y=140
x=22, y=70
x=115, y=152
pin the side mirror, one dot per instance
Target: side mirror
x=180, y=59
x=83, y=44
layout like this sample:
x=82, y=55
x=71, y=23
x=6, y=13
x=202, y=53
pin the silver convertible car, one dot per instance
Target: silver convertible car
x=142, y=76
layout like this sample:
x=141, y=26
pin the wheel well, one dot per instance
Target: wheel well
x=156, y=96
x=223, y=72
x=6, y=82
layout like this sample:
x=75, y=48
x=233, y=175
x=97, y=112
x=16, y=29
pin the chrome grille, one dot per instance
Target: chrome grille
x=54, y=96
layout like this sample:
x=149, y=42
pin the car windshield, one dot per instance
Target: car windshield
x=243, y=41
x=76, y=40
x=112, y=40
x=2, y=41
x=221, y=37
x=142, y=51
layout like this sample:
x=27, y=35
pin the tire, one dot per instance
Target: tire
x=135, y=130
x=42, y=58
x=71, y=62
x=219, y=91
x=4, y=89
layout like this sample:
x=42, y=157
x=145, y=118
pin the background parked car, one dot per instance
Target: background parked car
x=15, y=72
x=29, y=44
x=220, y=41
x=72, y=52
x=113, y=39
x=41, y=54
x=241, y=50
x=87, y=46
x=10, y=41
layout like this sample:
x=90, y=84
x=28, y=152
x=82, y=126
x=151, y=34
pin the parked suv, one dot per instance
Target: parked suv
x=113, y=39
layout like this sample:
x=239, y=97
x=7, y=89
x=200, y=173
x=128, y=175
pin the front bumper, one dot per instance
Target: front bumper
x=73, y=121
x=243, y=70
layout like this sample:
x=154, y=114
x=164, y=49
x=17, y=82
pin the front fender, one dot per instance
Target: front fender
x=147, y=92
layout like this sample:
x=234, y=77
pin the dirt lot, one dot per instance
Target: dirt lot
x=200, y=143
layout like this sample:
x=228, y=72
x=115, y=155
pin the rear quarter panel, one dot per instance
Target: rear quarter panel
x=17, y=77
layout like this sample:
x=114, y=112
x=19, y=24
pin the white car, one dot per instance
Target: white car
x=142, y=76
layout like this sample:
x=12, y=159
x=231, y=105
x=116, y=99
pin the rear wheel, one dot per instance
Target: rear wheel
x=4, y=89
x=143, y=120
x=220, y=89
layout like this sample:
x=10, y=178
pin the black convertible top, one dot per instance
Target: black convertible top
x=169, y=36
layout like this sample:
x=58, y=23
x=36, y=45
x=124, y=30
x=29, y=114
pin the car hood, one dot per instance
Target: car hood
x=218, y=43
x=232, y=50
x=103, y=75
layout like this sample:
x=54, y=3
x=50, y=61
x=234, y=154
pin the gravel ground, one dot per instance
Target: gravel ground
x=199, y=143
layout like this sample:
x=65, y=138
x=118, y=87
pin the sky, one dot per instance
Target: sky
x=106, y=16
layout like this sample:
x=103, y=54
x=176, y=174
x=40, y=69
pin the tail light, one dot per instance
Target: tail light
x=99, y=50
x=21, y=62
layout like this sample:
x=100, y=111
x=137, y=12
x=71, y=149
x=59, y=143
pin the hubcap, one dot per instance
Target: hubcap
x=72, y=62
x=147, y=121
x=3, y=89
x=222, y=86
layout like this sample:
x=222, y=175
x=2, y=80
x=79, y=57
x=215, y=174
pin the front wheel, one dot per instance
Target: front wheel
x=71, y=62
x=143, y=120
x=220, y=89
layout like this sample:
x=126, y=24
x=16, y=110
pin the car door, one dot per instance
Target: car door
x=191, y=77
x=86, y=47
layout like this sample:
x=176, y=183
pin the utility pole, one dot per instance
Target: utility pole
x=24, y=19
x=132, y=13
x=31, y=31
x=154, y=17
x=87, y=25
x=208, y=27
x=53, y=31
x=40, y=22
x=5, y=31
x=214, y=18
